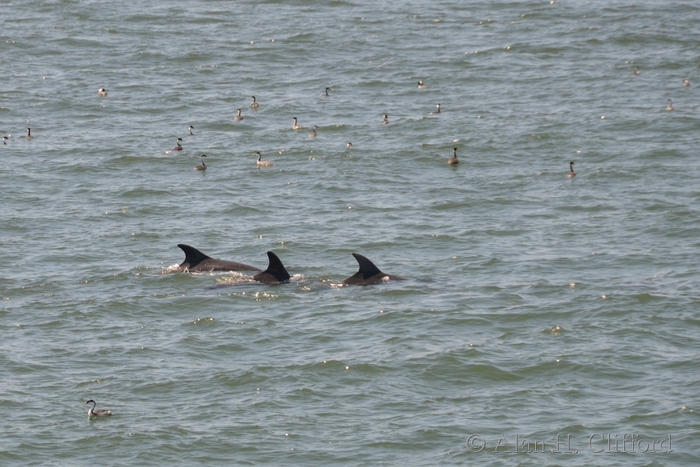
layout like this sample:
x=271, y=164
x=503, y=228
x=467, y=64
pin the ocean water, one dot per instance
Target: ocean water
x=545, y=320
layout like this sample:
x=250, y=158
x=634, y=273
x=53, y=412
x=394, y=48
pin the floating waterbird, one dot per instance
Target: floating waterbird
x=262, y=163
x=179, y=146
x=453, y=160
x=97, y=413
x=203, y=166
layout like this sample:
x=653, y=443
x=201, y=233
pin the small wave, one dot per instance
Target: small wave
x=171, y=269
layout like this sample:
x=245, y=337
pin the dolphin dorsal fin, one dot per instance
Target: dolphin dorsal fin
x=276, y=268
x=192, y=255
x=367, y=267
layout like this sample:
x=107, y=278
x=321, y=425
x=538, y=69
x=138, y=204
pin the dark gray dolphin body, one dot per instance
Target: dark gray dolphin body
x=368, y=273
x=275, y=272
x=196, y=261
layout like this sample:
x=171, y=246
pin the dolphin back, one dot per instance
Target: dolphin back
x=367, y=267
x=368, y=273
x=192, y=256
x=275, y=271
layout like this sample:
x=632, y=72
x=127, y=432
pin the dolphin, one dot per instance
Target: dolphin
x=275, y=272
x=368, y=273
x=196, y=261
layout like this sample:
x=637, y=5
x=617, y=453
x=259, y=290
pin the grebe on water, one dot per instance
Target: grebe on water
x=421, y=85
x=437, y=111
x=262, y=163
x=295, y=125
x=97, y=413
x=29, y=133
x=571, y=173
x=178, y=147
x=102, y=92
x=238, y=116
x=453, y=160
x=386, y=120
x=203, y=166
x=254, y=105
x=669, y=107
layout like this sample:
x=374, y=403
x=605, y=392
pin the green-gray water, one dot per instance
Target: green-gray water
x=539, y=307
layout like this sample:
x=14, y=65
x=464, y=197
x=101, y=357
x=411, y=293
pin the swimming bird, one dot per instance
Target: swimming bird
x=254, y=105
x=349, y=145
x=453, y=160
x=325, y=93
x=238, y=116
x=29, y=133
x=636, y=71
x=102, y=92
x=296, y=126
x=686, y=83
x=262, y=163
x=421, y=85
x=437, y=111
x=571, y=173
x=203, y=166
x=669, y=107
x=97, y=413
x=275, y=272
x=313, y=134
x=191, y=128
x=178, y=147
x=386, y=120
x=4, y=140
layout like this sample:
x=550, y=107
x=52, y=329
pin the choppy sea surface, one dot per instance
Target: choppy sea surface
x=546, y=320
